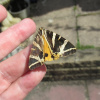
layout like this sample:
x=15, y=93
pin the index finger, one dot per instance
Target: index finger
x=16, y=34
x=3, y=13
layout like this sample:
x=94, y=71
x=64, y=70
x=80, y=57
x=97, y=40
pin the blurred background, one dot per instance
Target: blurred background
x=76, y=77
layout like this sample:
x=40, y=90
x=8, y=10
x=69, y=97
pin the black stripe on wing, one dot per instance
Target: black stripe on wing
x=69, y=49
x=69, y=45
x=49, y=37
x=33, y=63
x=58, y=42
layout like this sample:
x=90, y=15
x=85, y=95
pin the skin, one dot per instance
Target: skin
x=16, y=80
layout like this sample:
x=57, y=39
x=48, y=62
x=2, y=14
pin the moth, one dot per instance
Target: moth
x=48, y=46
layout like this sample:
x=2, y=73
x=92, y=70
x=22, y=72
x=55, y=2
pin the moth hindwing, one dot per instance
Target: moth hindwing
x=48, y=46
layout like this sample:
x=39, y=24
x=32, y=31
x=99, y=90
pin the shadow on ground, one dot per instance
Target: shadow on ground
x=45, y=6
x=88, y=5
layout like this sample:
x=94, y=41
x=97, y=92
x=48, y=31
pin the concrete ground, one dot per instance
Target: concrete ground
x=79, y=22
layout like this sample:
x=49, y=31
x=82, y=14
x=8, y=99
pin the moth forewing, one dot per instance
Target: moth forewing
x=48, y=46
x=36, y=54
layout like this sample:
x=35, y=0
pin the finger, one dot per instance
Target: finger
x=13, y=68
x=21, y=87
x=3, y=13
x=16, y=34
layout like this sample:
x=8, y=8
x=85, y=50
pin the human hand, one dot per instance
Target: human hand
x=16, y=81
